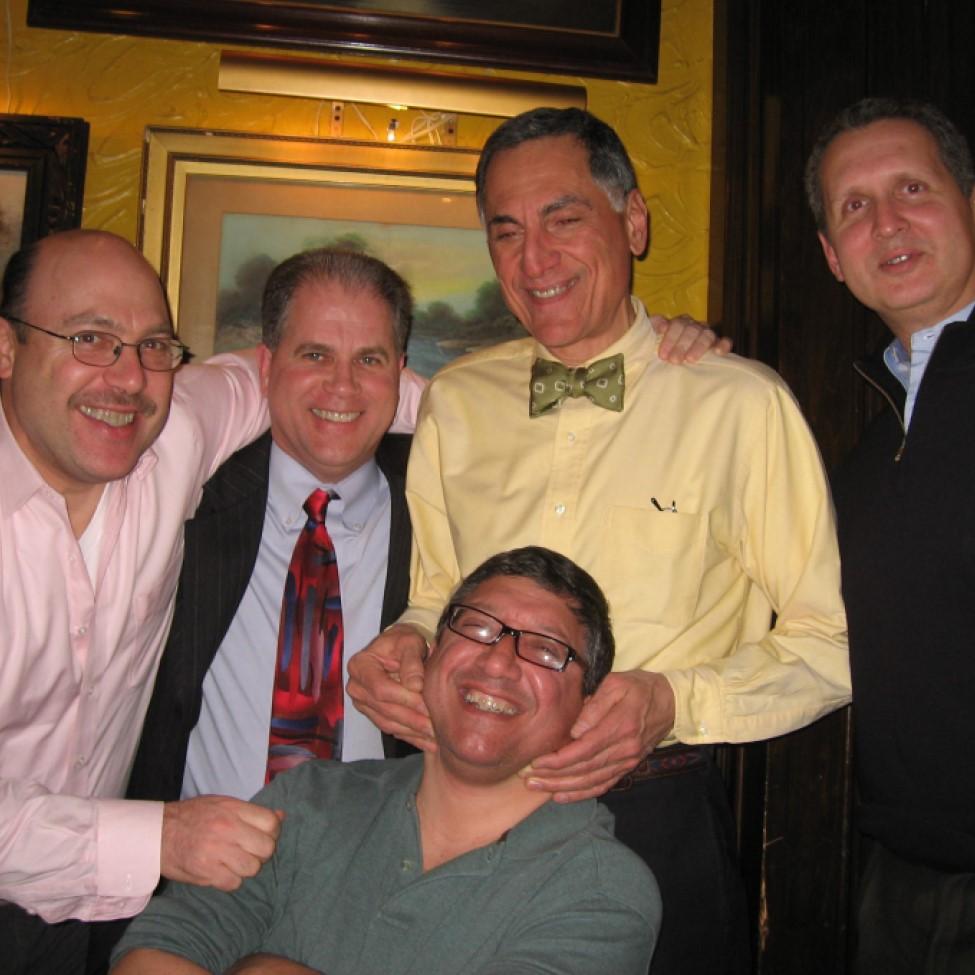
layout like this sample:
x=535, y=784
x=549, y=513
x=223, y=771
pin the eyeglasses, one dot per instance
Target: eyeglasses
x=157, y=354
x=537, y=648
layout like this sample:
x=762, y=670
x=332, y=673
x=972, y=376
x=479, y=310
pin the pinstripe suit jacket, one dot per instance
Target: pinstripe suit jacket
x=222, y=542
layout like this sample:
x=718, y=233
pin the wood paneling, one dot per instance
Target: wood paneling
x=783, y=68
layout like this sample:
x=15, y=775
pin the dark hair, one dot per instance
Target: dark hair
x=952, y=146
x=16, y=280
x=609, y=164
x=559, y=575
x=352, y=270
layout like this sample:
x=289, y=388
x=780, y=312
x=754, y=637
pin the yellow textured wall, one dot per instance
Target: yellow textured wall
x=122, y=84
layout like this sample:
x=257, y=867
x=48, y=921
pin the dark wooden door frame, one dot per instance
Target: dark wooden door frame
x=782, y=69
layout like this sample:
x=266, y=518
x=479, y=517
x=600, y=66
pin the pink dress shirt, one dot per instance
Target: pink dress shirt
x=77, y=660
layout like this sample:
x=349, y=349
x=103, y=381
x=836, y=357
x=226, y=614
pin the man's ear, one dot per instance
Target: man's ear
x=264, y=365
x=637, y=219
x=831, y=259
x=8, y=349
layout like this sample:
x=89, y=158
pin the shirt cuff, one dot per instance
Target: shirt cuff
x=129, y=844
x=698, y=698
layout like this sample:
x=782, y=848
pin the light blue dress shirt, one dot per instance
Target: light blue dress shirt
x=228, y=748
x=909, y=369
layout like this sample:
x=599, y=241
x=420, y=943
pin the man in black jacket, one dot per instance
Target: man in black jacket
x=335, y=326
x=891, y=186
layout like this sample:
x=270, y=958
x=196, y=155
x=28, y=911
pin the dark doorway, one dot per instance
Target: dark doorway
x=783, y=68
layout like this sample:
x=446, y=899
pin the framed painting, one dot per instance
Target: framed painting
x=608, y=38
x=42, y=178
x=221, y=209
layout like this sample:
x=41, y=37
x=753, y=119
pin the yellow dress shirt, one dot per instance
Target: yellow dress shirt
x=691, y=591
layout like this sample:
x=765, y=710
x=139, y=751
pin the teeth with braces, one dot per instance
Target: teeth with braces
x=485, y=703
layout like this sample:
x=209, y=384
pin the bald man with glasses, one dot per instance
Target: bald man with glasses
x=104, y=450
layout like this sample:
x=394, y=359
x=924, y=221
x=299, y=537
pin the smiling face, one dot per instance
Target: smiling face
x=81, y=425
x=332, y=382
x=561, y=252
x=899, y=231
x=493, y=712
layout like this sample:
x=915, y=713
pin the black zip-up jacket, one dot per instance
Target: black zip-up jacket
x=906, y=519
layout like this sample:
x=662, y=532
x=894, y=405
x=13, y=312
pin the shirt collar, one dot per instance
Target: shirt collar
x=289, y=484
x=633, y=343
x=21, y=480
x=898, y=359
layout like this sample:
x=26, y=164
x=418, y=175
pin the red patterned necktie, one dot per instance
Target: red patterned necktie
x=307, y=708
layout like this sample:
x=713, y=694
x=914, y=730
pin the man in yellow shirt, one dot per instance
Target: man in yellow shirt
x=696, y=497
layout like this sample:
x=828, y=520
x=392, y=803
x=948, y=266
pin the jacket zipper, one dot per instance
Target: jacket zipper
x=900, y=418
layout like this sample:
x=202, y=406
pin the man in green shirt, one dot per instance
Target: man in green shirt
x=442, y=862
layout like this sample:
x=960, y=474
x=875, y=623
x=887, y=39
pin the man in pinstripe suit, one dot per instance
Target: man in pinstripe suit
x=335, y=327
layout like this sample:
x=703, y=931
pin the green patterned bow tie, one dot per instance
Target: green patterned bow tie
x=602, y=383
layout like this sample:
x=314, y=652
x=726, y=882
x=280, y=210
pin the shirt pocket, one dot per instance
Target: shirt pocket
x=150, y=622
x=656, y=559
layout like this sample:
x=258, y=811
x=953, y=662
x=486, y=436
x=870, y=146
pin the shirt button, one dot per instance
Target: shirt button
x=81, y=761
x=560, y=509
x=571, y=438
x=82, y=630
x=406, y=866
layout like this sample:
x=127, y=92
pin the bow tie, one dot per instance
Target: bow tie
x=602, y=383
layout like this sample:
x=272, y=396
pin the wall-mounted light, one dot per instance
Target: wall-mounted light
x=341, y=81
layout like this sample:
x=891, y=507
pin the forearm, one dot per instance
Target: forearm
x=227, y=403
x=772, y=680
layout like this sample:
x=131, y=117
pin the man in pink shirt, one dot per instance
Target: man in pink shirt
x=104, y=450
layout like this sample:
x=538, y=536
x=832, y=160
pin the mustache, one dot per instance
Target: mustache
x=139, y=403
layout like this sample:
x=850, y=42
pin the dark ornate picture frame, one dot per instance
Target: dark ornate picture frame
x=52, y=152
x=599, y=38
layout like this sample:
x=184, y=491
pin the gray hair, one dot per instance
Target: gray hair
x=609, y=163
x=559, y=575
x=350, y=269
x=952, y=146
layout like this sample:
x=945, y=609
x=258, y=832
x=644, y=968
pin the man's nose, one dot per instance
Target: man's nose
x=501, y=659
x=341, y=375
x=127, y=371
x=538, y=254
x=888, y=218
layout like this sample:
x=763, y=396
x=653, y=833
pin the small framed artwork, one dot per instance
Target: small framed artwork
x=42, y=178
x=221, y=209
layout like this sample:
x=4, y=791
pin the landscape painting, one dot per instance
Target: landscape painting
x=458, y=301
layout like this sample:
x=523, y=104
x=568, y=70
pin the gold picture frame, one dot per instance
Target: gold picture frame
x=210, y=198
